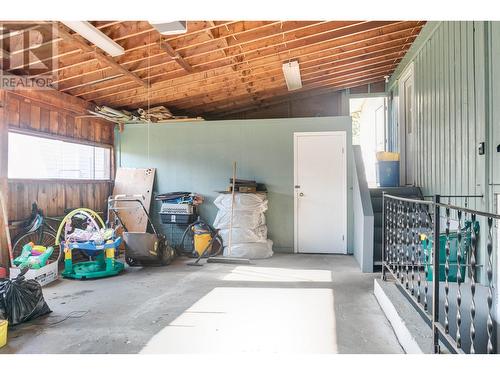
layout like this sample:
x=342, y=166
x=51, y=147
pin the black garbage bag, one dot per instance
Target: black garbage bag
x=21, y=300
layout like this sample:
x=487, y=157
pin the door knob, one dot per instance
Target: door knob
x=301, y=194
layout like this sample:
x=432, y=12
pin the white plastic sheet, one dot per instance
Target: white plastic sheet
x=244, y=235
x=249, y=232
x=241, y=219
x=242, y=201
x=253, y=250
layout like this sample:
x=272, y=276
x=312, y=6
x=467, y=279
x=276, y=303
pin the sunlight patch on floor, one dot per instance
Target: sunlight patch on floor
x=253, y=320
x=245, y=273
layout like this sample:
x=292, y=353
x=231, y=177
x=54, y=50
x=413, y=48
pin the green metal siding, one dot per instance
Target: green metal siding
x=450, y=68
x=457, y=106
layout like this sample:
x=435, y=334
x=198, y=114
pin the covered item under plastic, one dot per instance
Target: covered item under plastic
x=256, y=202
x=244, y=235
x=251, y=250
x=21, y=300
x=243, y=225
x=241, y=219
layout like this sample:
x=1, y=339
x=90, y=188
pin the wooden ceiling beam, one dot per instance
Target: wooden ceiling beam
x=260, y=81
x=265, y=80
x=223, y=40
x=263, y=104
x=255, y=37
x=228, y=92
x=239, y=55
x=142, y=50
x=79, y=77
x=332, y=46
x=304, y=37
x=271, y=89
x=220, y=32
x=171, y=53
x=101, y=57
x=258, y=99
x=201, y=29
x=175, y=56
x=358, y=52
x=71, y=50
x=124, y=60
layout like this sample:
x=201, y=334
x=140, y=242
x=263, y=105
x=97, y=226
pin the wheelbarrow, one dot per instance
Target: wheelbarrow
x=141, y=248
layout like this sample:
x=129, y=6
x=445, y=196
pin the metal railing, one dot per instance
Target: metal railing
x=433, y=250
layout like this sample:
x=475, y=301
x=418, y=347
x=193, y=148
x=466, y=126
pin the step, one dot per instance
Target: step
x=377, y=204
x=403, y=191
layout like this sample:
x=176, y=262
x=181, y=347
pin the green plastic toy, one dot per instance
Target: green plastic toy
x=33, y=256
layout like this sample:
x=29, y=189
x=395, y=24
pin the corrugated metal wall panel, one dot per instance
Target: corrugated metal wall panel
x=450, y=119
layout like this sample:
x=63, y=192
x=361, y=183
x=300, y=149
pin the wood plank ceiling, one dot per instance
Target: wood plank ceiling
x=222, y=66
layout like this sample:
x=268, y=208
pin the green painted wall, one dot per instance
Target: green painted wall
x=451, y=109
x=457, y=93
x=198, y=157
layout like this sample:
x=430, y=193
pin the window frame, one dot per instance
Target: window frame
x=34, y=133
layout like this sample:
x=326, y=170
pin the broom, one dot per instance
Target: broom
x=228, y=258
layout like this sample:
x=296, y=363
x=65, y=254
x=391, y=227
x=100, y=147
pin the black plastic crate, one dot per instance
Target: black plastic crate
x=177, y=218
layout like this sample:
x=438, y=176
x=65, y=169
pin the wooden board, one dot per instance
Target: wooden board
x=39, y=116
x=132, y=181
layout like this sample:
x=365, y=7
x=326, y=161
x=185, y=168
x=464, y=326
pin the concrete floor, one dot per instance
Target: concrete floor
x=286, y=304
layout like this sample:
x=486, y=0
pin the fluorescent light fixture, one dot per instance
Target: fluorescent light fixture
x=96, y=37
x=291, y=72
x=170, y=28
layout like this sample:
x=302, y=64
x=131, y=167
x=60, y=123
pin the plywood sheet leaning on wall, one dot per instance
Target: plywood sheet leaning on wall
x=132, y=181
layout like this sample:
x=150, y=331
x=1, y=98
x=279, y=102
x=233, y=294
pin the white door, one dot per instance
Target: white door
x=320, y=192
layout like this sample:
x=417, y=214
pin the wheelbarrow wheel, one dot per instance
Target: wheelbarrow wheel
x=168, y=255
x=132, y=262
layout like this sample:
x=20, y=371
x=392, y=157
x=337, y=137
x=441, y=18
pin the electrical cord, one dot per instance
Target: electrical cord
x=77, y=314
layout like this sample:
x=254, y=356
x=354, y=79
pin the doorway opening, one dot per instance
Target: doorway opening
x=369, y=130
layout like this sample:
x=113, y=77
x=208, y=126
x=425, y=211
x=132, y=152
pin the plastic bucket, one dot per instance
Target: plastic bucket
x=3, y=332
x=388, y=173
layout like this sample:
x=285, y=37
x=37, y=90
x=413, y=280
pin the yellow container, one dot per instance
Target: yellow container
x=387, y=156
x=3, y=332
x=201, y=242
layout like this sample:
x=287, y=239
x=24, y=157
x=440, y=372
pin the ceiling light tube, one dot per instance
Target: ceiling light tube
x=96, y=37
x=291, y=72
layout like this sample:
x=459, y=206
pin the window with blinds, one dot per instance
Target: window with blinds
x=44, y=158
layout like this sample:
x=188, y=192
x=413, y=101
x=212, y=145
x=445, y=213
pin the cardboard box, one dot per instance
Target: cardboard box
x=44, y=275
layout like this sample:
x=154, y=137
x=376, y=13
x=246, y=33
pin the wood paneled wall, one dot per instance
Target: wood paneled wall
x=61, y=116
x=316, y=106
x=55, y=197
x=330, y=103
x=35, y=115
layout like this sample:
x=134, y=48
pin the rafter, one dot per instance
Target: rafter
x=222, y=66
x=175, y=55
x=263, y=59
x=101, y=57
x=337, y=52
x=259, y=98
x=265, y=79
